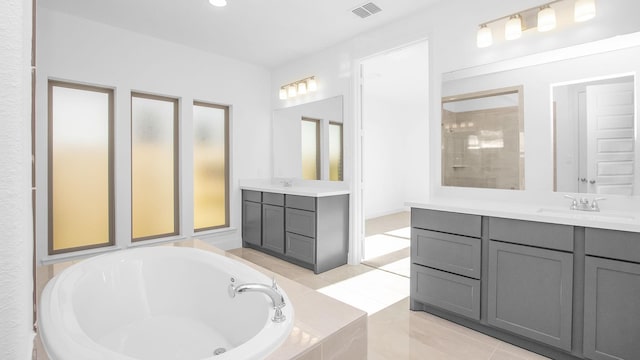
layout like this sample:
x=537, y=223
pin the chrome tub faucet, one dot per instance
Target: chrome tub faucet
x=271, y=291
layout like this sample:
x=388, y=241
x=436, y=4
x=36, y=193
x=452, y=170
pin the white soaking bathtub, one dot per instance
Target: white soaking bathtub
x=158, y=303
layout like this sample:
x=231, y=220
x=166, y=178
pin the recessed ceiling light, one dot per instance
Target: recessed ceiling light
x=218, y=3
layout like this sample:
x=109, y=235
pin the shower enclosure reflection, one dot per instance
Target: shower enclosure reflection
x=481, y=142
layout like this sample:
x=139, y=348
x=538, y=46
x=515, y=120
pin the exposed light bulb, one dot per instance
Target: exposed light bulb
x=546, y=19
x=302, y=88
x=485, y=37
x=312, y=85
x=584, y=10
x=218, y=3
x=513, y=28
x=283, y=93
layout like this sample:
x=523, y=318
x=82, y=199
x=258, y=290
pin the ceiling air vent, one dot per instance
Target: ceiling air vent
x=366, y=10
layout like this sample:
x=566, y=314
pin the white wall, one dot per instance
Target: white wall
x=78, y=50
x=16, y=243
x=394, y=93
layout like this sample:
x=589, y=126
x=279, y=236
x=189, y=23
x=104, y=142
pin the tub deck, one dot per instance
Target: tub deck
x=324, y=328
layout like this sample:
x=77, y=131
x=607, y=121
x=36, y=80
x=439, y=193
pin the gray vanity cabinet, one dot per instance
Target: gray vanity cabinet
x=530, y=292
x=612, y=295
x=312, y=232
x=565, y=292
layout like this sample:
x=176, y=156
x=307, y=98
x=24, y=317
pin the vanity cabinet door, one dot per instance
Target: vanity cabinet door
x=252, y=222
x=273, y=228
x=611, y=309
x=530, y=292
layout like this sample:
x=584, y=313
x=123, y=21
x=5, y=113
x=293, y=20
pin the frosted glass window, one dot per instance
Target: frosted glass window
x=210, y=166
x=335, y=152
x=80, y=167
x=310, y=149
x=154, y=164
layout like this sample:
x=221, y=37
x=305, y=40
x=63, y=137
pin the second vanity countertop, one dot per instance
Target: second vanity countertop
x=298, y=187
x=623, y=221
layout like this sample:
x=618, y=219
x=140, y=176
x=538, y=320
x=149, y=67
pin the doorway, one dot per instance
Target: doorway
x=394, y=151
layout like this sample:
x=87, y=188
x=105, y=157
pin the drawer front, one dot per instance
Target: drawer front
x=545, y=235
x=457, y=254
x=621, y=245
x=273, y=199
x=449, y=222
x=301, y=222
x=301, y=202
x=301, y=247
x=451, y=292
x=250, y=195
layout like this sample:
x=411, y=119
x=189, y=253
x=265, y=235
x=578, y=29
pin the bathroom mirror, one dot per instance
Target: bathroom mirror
x=481, y=142
x=594, y=126
x=308, y=141
x=553, y=140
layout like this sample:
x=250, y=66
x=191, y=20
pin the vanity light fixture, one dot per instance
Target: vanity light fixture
x=218, y=3
x=293, y=91
x=299, y=87
x=584, y=10
x=546, y=19
x=543, y=17
x=513, y=27
x=485, y=36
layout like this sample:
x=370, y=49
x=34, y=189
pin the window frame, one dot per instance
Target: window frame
x=227, y=110
x=176, y=163
x=111, y=181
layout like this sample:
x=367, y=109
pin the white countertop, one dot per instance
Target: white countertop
x=624, y=221
x=298, y=187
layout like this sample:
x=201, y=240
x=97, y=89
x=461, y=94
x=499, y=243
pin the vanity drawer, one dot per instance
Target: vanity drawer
x=301, y=247
x=301, y=222
x=614, y=244
x=301, y=202
x=453, y=253
x=273, y=199
x=455, y=293
x=545, y=235
x=449, y=222
x=249, y=195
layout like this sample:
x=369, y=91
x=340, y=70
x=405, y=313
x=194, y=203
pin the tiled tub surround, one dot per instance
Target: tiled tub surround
x=561, y=283
x=338, y=331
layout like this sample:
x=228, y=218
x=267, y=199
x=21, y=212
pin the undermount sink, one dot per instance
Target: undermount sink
x=592, y=215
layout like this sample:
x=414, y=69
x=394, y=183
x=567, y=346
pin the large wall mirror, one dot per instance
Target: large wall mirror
x=308, y=141
x=580, y=123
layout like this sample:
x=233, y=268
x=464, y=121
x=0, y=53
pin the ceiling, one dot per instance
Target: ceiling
x=262, y=32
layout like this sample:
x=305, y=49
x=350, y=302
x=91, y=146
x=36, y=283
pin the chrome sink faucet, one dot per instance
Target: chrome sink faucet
x=583, y=203
x=271, y=291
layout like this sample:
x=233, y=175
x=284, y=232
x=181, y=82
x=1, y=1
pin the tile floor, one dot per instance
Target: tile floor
x=380, y=286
